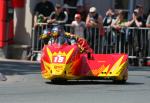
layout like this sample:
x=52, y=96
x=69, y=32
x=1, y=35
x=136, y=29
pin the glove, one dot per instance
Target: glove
x=43, y=36
x=71, y=36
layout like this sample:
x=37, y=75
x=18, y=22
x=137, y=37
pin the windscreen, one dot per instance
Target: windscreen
x=61, y=40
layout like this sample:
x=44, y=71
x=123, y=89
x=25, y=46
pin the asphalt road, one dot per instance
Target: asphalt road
x=25, y=85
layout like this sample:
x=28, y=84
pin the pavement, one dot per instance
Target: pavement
x=17, y=60
x=2, y=76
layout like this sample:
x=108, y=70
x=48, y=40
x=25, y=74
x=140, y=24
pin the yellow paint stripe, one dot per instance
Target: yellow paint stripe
x=68, y=54
x=49, y=54
x=105, y=69
x=46, y=65
x=117, y=64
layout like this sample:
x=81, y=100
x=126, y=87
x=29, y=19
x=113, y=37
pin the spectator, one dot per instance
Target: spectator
x=137, y=18
x=141, y=12
x=118, y=25
x=94, y=19
x=148, y=25
x=109, y=17
x=94, y=22
x=120, y=21
x=136, y=38
x=58, y=16
x=78, y=25
x=148, y=20
x=42, y=10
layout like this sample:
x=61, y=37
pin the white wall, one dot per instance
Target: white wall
x=23, y=22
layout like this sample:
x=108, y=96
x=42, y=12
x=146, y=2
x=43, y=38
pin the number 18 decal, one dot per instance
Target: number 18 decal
x=59, y=59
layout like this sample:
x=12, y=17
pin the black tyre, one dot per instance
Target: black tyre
x=59, y=81
x=119, y=81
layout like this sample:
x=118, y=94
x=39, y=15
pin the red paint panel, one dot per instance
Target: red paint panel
x=2, y=32
x=2, y=10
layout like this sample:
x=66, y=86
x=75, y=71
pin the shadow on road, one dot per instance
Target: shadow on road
x=19, y=68
x=88, y=82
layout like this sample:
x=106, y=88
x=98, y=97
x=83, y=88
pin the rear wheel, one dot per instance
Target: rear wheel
x=59, y=81
x=119, y=81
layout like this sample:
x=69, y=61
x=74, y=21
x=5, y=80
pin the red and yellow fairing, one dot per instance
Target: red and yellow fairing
x=60, y=62
x=67, y=62
x=109, y=66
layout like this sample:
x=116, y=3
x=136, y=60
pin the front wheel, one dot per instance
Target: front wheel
x=119, y=81
x=59, y=81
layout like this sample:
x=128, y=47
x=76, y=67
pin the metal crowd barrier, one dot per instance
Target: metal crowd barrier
x=132, y=40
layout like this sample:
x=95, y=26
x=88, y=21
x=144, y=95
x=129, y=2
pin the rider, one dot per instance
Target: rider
x=58, y=32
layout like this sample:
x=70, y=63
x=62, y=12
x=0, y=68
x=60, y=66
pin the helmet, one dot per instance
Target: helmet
x=46, y=33
x=57, y=30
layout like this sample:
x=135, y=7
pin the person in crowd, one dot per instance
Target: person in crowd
x=59, y=16
x=94, y=23
x=148, y=20
x=118, y=28
x=140, y=7
x=94, y=19
x=136, y=38
x=78, y=26
x=137, y=18
x=109, y=17
x=148, y=26
x=120, y=20
x=42, y=10
x=41, y=13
